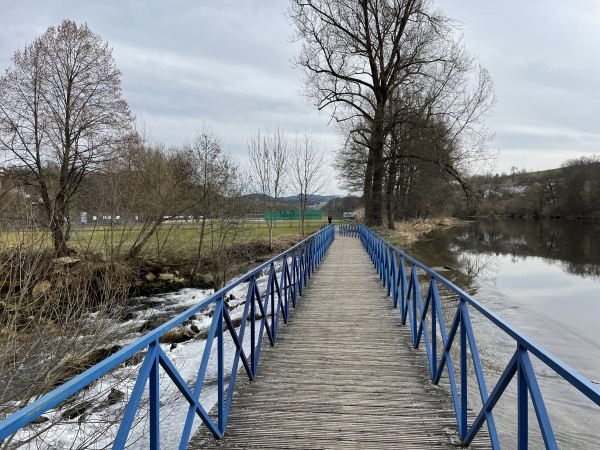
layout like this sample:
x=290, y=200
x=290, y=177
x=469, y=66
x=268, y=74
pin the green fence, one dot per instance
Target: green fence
x=310, y=214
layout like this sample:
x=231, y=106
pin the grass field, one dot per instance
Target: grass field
x=171, y=239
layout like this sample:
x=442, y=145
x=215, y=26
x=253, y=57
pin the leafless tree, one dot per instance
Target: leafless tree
x=307, y=171
x=218, y=183
x=160, y=183
x=436, y=120
x=357, y=56
x=354, y=55
x=61, y=113
x=268, y=170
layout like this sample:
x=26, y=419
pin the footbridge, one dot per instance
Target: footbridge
x=343, y=341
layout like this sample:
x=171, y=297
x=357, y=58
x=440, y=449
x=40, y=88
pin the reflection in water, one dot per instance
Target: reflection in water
x=481, y=265
x=575, y=246
x=542, y=277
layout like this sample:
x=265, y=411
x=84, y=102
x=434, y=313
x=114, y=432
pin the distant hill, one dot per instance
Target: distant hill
x=292, y=199
x=289, y=200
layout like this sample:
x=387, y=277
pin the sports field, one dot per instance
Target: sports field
x=171, y=239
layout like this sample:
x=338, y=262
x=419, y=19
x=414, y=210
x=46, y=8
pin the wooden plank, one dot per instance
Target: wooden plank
x=342, y=374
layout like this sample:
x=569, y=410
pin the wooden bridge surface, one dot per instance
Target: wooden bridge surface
x=342, y=375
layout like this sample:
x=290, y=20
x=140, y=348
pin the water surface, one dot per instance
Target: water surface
x=544, y=278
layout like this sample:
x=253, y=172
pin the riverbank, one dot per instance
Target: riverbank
x=154, y=277
x=408, y=232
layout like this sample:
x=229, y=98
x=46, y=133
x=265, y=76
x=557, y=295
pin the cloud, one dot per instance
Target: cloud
x=227, y=64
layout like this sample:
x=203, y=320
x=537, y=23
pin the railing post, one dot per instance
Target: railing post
x=402, y=275
x=463, y=374
x=434, y=300
x=252, y=327
x=154, y=389
x=220, y=369
x=522, y=403
x=415, y=286
x=293, y=277
x=385, y=264
x=284, y=286
x=272, y=277
x=393, y=286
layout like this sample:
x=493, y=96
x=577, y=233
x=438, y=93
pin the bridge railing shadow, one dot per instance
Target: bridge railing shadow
x=426, y=319
x=288, y=274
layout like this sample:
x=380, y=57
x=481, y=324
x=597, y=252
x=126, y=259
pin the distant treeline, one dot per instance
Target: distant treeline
x=573, y=191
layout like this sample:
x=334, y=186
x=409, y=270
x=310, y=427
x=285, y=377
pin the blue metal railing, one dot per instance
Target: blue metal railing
x=351, y=230
x=391, y=264
x=297, y=265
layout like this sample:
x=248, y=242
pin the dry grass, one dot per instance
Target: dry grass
x=408, y=232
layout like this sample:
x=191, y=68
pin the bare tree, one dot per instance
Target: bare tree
x=436, y=120
x=160, y=182
x=216, y=179
x=306, y=171
x=354, y=54
x=357, y=56
x=61, y=113
x=268, y=168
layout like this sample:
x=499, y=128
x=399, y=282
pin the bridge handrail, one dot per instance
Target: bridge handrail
x=349, y=229
x=297, y=265
x=390, y=263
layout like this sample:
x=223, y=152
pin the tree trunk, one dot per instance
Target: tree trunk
x=374, y=206
x=137, y=248
x=59, y=240
x=270, y=225
x=389, y=193
x=392, y=175
x=58, y=223
x=201, y=240
x=368, y=183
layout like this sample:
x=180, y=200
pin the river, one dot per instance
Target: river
x=544, y=278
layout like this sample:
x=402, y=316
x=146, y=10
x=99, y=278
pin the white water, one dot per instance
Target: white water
x=98, y=426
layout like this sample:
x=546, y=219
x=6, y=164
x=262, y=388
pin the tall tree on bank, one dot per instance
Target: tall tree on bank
x=61, y=115
x=362, y=58
x=306, y=171
x=268, y=167
x=355, y=54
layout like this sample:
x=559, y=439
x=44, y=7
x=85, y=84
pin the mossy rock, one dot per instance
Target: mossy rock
x=176, y=336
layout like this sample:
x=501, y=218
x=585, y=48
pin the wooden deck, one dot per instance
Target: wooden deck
x=342, y=374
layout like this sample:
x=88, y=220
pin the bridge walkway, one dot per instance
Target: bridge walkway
x=343, y=374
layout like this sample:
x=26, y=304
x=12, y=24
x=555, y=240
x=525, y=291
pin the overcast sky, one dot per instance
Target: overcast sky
x=227, y=63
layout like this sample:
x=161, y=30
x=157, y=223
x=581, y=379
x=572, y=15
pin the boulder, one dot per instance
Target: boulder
x=206, y=281
x=76, y=410
x=115, y=396
x=170, y=278
x=127, y=317
x=39, y=420
x=176, y=336
x=150, y=277
x=150, y=325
